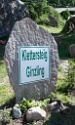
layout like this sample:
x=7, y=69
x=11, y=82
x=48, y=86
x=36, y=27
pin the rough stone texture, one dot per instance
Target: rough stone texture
x=55, y=106
x=28, y=33
x=72, y=50
x=10, y=12
x=53, y=21
x=35, y=113
x=69, y=25
x=16, y=112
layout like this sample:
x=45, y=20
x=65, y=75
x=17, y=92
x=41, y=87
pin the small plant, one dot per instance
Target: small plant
x=5, y=117
x=60, y=68
x=44, y=103
x=52, y=97
x=26, y=104
x=61, y=85
x=66, y=14
x=68, y=82
x=71, y=75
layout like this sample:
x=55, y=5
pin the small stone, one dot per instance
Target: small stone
x=16, y=112
x=55, y=106
x=35, y=113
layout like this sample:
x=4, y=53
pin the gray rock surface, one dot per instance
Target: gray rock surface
x=55, y=106
x=69, y=25
x=53, y=21
x=28, y=33
x=35, y=113
x=16, y=112
x=10, y=12
x=72, y=50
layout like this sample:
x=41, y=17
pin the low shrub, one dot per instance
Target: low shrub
x=71, y=75
x=60, y=68
x=52, y=97
x=66, y=14
x=68, y=82
x=26, y=104
x=51, y=17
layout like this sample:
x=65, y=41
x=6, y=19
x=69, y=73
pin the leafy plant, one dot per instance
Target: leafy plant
x=61, y=85
x=49, y=15
x=71, y=75
x=26, y=104
x=60, y=68
x=63, y=97
x=52, y=97
x=68, y=82
x=5, y=117
x=66, y=14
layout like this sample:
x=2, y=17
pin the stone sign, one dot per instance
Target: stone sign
x=34, y=64
x=28, y=33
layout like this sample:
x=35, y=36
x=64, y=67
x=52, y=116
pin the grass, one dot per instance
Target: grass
x=52, y=29
x=65, y=99
x=60, y=68
x=3, y=72
x=6, y=93
x=63, y=45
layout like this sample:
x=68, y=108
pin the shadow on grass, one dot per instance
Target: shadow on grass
x=63, y=45
x=2, y=51
x=9, y=104
x=65, y=117
x=2, y=47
